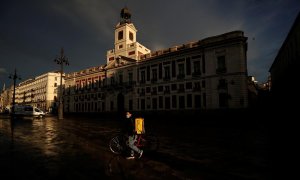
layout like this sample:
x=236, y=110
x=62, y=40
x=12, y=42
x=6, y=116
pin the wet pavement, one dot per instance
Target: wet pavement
x=77, y=148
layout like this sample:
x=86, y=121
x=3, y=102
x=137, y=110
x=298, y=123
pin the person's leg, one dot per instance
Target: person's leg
x=132, y=140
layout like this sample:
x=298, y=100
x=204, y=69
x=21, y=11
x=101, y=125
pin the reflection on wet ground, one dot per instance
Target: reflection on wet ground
x=77, y=148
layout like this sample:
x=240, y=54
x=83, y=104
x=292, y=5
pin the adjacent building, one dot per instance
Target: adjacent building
x=6, y=99
x=206, y=74
x=284, y=70
x=41, y=91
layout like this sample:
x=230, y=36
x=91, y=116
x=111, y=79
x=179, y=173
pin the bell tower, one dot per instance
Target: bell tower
x=125, y=39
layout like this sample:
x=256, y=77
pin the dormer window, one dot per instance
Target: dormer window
x=120, y=35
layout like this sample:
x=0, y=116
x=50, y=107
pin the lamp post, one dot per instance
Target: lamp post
x=61, y=60
x=14, y=77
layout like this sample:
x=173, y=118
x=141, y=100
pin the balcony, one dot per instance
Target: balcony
x=221, y=70
x=196, y=89
x=223, y=86
x=166, y=91
x=154, y=93
x=167, y=78
x=181, y=90
x=154, y=80
x=142, y=82
x=142, y=93
x=196, y=74
x=180, y=76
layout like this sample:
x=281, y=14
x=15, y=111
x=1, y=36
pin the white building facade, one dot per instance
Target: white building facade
x=41, y=91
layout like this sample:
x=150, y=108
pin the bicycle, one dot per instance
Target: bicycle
x=147, y=142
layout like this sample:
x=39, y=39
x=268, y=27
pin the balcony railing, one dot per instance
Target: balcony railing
x=154, y=93
x=180, y=90
x=221, y=70
x=180, y=76
x=196, y=89
x=153, y=80
x=196, y=74
x=166, y=91
x=223, y=86
x=142, y=93
x=167, y=78
x=142, y=82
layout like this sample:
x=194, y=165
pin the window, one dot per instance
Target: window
x=154, y=90
x=173, y=87
x=160, y=102
x=221, y=65
x=188, y=66
x=167, y=102
x=196, y=68
x=174, y=101
x=222, y=84
x=160, y=88
x=160, y=71
x=148, y=73
x=189, y=85
x=131, y=36
x=167, y=72
x=181, y=88
x=154, y=75
x=203, y=84
x=167, y=89
x=112, y=80
x=120, y=78
x=223, y=100
x=181, y=71
x=130, y=78
x=189, y=100
x=197, y=86
x=111, y=105
x=55, y=84
x=203, y=64
x=130, y=104
x=181, y=102
x=131, y=53
x=197, y=101
x=204, y=99
x=148, y=89
x=143, y=77
x=121, y=46
x=173, y=69
x=143, y=103
x=154, y=103
x=120, y=35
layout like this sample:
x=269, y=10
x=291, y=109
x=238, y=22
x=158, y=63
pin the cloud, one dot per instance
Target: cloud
x=3, y=72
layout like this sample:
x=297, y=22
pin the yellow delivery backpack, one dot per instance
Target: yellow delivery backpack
x=139, y=125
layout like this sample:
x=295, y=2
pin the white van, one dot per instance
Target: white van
x=28, y=110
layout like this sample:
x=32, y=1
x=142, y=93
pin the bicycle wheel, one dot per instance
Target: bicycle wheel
x=152, y=143
x=116, y=144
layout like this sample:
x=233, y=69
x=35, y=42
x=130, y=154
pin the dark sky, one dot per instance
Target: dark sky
x=32, y=32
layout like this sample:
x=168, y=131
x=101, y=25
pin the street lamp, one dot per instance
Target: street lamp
x=14, y=77
x=61, y=61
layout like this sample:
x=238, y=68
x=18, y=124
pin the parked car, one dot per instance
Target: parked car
x=28, y=110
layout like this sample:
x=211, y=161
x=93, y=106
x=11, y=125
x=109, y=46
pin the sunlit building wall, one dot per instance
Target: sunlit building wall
x=6, y=98
x=207, y=74
x=40, y=91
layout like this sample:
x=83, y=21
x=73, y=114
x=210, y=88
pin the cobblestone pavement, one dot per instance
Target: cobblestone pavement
x=77, y=148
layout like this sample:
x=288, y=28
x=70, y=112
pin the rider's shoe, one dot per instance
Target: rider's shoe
x=130, y=157
x=141, y=153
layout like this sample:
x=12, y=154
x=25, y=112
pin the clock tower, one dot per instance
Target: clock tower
x=125, y=39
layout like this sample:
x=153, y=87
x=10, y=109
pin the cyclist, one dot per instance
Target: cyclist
x=129, y=128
